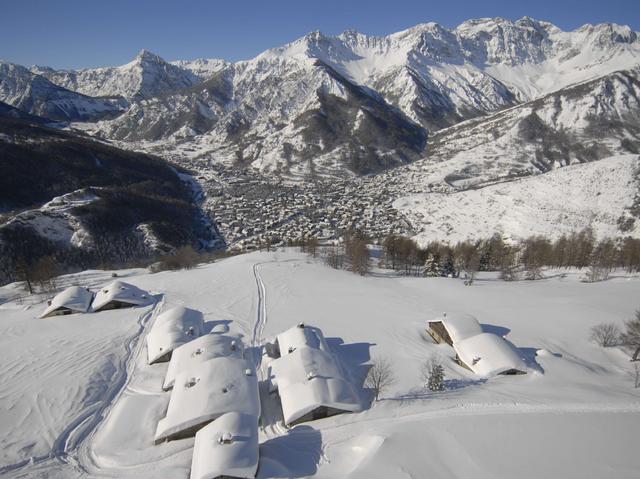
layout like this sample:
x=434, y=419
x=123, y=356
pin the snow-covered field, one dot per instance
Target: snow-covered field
x=559, y=202
x=78, y=399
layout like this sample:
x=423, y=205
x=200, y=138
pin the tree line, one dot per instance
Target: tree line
x=514, y=260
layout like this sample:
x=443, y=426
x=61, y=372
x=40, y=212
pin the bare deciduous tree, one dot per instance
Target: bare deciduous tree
x=359, y=256
x=312, y=246
x=24, y=272
x=635, y=374
x=605, y=335
x=631, y=336
x=380, y=377
x=183, y=258
x=44, y=271
x=335, y=257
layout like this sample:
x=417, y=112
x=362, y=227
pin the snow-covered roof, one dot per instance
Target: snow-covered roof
x=302, y=364
x=459, y=326
x=310, y=376
x=171, y=329
x=205, y=392
x=202, y=349
x=300, y=336
x=120, y=292
x=226, y=447
x=488, y=355
x=301, y=398
x=74, y=298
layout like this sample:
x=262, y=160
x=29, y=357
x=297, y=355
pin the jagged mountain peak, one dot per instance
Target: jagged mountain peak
x=35, y=94
x=146, y=56
x=609, y=34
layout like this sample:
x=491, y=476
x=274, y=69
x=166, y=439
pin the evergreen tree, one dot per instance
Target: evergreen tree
x=432, y=266
x=436, y=379
x=432, y=374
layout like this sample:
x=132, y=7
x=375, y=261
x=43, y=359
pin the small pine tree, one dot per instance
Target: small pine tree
x=433, y=375
x=432, y=265
x=436, y=379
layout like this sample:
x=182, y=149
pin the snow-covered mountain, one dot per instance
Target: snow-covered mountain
x=84, y=201
x=203, y=68
x=278, y=114
x=146, y=76
x=36, y=95
x=438, y=109
x=578, y=124
x=439, y=76
x=306, y=100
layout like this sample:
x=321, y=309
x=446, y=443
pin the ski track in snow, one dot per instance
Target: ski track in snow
x=68, y=444
x=271, y=425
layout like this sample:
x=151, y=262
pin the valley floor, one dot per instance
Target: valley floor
x=79, y=400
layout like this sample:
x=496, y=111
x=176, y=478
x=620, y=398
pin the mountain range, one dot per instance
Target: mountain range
x=489, y=100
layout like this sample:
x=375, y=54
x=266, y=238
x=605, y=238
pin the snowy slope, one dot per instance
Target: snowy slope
x=36, y=95
x=573, y=415
x=578, y=124
x=555, y=203
x=147, y=75
x=203, y=68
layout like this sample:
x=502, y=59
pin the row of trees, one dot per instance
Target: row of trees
x=528, y=256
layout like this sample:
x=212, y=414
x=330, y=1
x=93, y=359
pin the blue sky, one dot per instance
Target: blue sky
x=75, y=34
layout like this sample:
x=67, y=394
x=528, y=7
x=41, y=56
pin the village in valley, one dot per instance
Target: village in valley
x=249, y=208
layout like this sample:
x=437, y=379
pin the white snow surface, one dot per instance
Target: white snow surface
x=552, y=204
x=79, y=400
x=227, y=447
x=56, y=221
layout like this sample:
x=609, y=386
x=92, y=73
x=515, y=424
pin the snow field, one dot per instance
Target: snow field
x=573, y=415
x=559, y=202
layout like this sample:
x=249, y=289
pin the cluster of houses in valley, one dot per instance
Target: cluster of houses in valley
x=215, y=393
x=248, y=208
